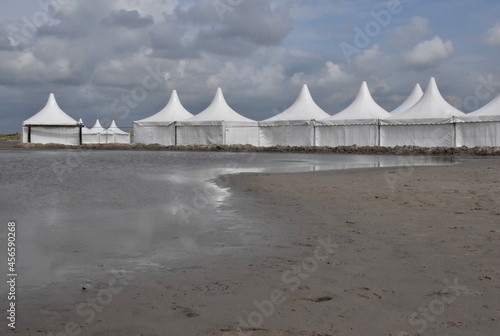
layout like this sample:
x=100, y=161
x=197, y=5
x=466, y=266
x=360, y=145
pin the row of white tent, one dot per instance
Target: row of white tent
x=53, y=125
x=423, y=119
x=100, y=135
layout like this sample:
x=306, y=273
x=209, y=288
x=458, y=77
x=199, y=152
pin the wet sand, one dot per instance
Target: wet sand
x=382, y=251
x=9, y=144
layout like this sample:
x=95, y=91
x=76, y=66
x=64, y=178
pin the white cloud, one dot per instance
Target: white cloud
x=95, y=8
x=417, y=29
x=429, y=53
x=327, y=76
x=493, y=36
x=260, y=53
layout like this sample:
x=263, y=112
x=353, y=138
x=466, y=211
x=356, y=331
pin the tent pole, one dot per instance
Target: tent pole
x=175, y=134
x=378, y=133
x=314, y=132
x=29, y=133
x=454, y=132
x=81, y=136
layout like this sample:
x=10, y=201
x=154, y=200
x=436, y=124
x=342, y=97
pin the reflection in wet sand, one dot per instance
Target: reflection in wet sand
x=138, y=210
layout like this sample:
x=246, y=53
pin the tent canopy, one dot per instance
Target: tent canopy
x=97, y=128
x=432, y=105
x=412, y=99
x=219, y=110
x=85, y=130
x=363, y=107
x=173, y=111
x=113, y=129
x=304, y=108
x=490, y=109
x=51, y=114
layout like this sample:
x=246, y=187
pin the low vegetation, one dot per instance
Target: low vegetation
x=10, y=136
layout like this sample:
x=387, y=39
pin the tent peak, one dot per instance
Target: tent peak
x=304, y=108
x=411, y=100
x=363, y=107
x=219, y=110
x=431, y=105
x=51, y=114
x=219, y=96
x=97, y=127
x=490, y=109
x=173, y=111
x=304, y=91
x=113, y=129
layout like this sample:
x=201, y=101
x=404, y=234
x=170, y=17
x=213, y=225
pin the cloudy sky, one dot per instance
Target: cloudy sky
x=121, y=59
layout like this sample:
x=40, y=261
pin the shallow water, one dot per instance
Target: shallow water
x=81, y=213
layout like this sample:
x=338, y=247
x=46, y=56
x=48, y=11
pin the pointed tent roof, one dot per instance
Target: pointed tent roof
x=490, y=109
x=219, y=110
x=173, y=111
x=113, y=129
x=85, y=129
x=98, y=128
x=363, y=107
x=51, y=114
x=412, y=99
x=304, y=108
x=431, y=105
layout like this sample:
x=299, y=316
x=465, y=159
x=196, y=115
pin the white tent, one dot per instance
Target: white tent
x=116, y=135
x=160, y=128
x=428, y=123
x=412, y=99
x=294, y=126
x=85, y=129
x=52, y=125
x=86, y=133
x=96, y=135
x=357, y=124
x=217, y=124
x=481, y=127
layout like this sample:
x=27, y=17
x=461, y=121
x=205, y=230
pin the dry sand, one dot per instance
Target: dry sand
x=401, y=251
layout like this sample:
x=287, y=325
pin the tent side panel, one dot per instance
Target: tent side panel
x=24, y=134
x=347, y=135
x=480, y=134
x=154, y=134
x=119, y=138
x=200, y=135
x=430, y=135
x=97, y=138
x=53, y=134
x=286, y=135
x=239, y=135
x=91, y=138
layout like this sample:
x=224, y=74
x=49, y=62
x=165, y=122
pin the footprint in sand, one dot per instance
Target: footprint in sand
x=367, y=293
x=320, y=299
x=188, y=312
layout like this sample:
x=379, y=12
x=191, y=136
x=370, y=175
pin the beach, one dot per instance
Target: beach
x=379, y=251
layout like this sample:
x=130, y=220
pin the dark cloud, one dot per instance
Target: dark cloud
x=64, y=29
x=91, y=53
x=168, y=40
x=239, y=29
x=5, y=42
x=128, y=19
